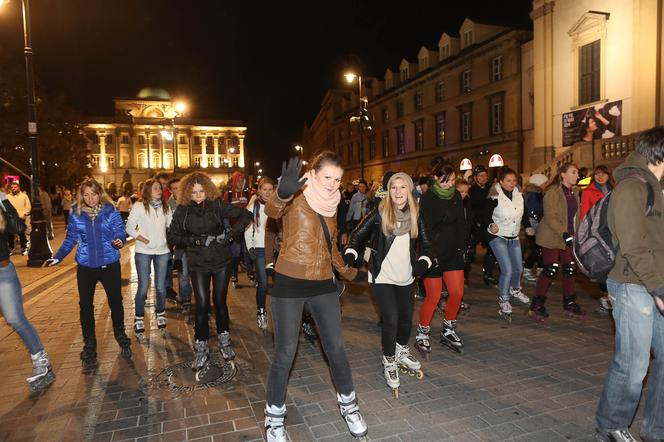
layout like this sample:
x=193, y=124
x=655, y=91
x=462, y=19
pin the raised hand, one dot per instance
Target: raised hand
x=290, y=181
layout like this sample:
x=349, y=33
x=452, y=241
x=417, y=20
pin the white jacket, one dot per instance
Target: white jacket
x=254, y=236
x=151, y=225
x=21, y=203
x=508, y=213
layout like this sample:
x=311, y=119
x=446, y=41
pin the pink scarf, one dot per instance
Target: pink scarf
x=319, y=199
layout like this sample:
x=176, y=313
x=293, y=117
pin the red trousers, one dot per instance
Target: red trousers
x=434, y=286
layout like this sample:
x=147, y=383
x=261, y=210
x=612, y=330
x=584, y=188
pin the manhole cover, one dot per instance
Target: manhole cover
x=180, y=378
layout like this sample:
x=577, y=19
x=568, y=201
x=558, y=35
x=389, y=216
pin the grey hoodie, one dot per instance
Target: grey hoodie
x=639, y=238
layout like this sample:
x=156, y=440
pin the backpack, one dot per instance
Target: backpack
x=593, y=243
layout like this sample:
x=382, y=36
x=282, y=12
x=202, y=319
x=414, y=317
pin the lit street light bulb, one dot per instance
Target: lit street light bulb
x=298, y=148
x=350, y=77
x=179, y=106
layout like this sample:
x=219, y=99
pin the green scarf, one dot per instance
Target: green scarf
x=441, y=193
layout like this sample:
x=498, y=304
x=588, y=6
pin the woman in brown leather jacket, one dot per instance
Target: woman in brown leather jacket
x=303, y=274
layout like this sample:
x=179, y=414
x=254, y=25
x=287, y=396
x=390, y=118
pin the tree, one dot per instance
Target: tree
x=62, y=146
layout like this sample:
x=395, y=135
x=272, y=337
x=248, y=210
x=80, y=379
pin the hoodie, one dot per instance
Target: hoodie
x=639, y=237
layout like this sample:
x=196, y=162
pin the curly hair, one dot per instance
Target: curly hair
x=187, y=186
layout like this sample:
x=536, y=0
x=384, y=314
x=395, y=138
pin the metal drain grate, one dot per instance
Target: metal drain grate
x=179, y=378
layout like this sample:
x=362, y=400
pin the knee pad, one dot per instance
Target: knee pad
x=569, y=269
x=551, y=270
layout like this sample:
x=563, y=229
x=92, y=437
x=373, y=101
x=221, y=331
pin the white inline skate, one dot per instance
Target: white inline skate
x=225, y=347
x=505, y=310
x=351, y=413
x=261, y=319
x=516, y=292
x=274, y=423
x=139, y=329
x=161, y=324
x=423, y=340
x=449, y=337
x=407, y=363
x=42, y=372
x=391, y=373
x=201, y=363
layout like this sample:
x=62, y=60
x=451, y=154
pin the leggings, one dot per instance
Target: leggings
x=111, y=279
x=562, y=258
x=200, y=282
x=434, y=286
x=396, y=304
x=286, y=318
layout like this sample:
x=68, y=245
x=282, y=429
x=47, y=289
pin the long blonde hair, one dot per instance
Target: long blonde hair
x=387, y=209
x=96, y=188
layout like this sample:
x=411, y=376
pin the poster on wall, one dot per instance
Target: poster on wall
x=601, y=121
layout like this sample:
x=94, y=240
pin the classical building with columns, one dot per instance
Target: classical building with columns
x=153, y=133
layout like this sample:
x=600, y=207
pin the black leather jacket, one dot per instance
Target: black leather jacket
x=369, y=233
x=13, y=226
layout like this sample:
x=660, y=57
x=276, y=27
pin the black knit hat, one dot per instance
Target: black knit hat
x=386, y=178
x=479, y=169
x=423, y=180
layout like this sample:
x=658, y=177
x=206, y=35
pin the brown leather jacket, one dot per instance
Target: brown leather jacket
x=304, y=252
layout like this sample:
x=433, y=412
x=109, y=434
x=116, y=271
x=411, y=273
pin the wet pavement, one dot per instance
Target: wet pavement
x=522, y=381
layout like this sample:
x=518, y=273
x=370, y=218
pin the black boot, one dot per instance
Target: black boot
x=123, y=341
x=489, y=279
x=89, y=353
x=571, y=307
x=537, y=306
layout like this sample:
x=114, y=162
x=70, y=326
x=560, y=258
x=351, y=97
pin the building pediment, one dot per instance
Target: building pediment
x=589, y=20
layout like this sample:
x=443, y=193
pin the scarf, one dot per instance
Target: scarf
x=323, y=202
x=403, y=221
x=156, y=204
x=441, y=193
x=91, y=211
x=257, y=212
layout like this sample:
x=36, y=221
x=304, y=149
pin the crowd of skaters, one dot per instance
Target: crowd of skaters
x=310, y=231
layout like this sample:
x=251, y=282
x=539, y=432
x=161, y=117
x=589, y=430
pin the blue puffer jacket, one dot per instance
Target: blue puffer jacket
x=94, y=239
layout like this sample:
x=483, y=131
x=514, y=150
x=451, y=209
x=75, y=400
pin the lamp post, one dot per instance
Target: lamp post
x=40, y=249
x=362, y=116
x=180, y=107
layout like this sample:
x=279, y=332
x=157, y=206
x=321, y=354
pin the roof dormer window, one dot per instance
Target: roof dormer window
x=468, y=38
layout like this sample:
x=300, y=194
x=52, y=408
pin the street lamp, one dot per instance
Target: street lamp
x=180, y=108
x=300, y=150
x=362, y=117
x=40, y=249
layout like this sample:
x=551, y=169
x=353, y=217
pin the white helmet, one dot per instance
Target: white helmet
x=466, y=164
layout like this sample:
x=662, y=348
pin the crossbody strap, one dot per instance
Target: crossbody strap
x=326, y=232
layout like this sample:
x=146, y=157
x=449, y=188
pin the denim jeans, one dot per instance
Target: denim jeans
x=261, y=276
x=183, y=276
x=508, y=254
x=143, y=262
x=639, y=327
x=11, y=306
x=286, y=320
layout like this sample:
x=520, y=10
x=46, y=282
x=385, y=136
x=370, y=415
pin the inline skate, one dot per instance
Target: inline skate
x=516, y=292
x=201, y=363
x=139, y=329
x=407, y=363
x=423, y=341
x=225, y=347
x=123, y=341
x=42, y=372
x=505, y=309
x=391, y=373
x=538, y=311
x=449, y=337
x=161, y=324
x=351, y=413
x=274, y=423
x=261, y=319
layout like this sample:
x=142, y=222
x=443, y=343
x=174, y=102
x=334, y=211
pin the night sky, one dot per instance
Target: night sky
x=268, y=63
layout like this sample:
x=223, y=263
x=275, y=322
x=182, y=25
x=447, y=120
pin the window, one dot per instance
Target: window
x=405, y=74
x=468, y=38
x=372, y=145
x=386, y=115
x=95, y=139
x=386, y=144
x=589, y=72
x=401, y=140
x=182, y=139
x=109, y=139
x=399, y=109
x=444, y=52
x=141, y=139
x=110, y=159
x=466, y=121
x=418, y=100
x=209, y=142
x=197, y=141
x=349, y=153
x=142, y=161
x=496, y=114
x=419, y=134
x=440, y=91
x=197, y=161
x=440, y=129
x=125, y=139
x=465, y=82
x=497, y=68
x=154, y=140
x=210, y=160
x=235, y=161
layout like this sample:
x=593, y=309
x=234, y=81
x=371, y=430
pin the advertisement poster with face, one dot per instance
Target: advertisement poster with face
x=594, y=123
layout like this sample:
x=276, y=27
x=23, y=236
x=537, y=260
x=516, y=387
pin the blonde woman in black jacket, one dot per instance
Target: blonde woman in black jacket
x=394, y=232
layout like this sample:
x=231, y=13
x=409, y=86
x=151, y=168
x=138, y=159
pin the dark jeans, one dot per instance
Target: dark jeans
x=261, y=276
x=396, y=308
x=11, y=241
x=286, y=319
x=200, y=282
x=65, y=215
x=110, y=279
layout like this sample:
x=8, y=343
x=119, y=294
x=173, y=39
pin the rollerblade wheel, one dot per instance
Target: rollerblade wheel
x=419, y=374
x=42, y=383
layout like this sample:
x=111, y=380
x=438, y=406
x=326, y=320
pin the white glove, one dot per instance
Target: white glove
x=51, y=262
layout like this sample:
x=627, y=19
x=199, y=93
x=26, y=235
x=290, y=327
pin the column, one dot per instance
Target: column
x=240, y=161
x=103, y=164
x=216, y=152
x=203, y=151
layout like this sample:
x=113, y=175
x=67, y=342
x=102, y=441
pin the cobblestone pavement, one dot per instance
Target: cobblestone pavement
x=522, y=381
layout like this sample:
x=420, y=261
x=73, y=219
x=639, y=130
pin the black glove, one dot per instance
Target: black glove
x=659, y=294
x=569, y=239
x=349, y=259
x=361, y=276
x=420, y=268
x=290, y=182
